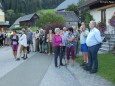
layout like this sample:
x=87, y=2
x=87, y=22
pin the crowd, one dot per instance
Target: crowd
x=62, y=43
x=5, y=38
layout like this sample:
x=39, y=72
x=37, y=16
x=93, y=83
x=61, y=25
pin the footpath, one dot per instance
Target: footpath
x=39, y=70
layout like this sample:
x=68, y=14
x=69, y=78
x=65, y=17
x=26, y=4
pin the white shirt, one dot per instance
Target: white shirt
x=23, y=40
x=83, y=38
x=93, y=37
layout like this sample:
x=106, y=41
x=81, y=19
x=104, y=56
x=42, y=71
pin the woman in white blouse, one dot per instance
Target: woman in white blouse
x=23, y=45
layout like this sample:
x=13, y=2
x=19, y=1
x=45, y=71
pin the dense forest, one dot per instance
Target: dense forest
x=17, y=8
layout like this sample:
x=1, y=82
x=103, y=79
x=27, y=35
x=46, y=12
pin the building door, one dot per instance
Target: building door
x=103, y=16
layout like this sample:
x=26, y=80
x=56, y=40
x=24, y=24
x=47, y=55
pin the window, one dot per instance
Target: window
x=103, y=16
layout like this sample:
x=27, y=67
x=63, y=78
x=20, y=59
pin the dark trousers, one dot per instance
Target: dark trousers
x=1, y=42
x=70, y=52
x=57, y=54
x=92, y=57
x=63, y=50
x=37, y=45
x=28, y=49
x=40, y=47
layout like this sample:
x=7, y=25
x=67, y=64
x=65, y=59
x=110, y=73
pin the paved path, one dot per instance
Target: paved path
x=29, y=73
x=39, y=70
x=71, y=76
x=7, y=61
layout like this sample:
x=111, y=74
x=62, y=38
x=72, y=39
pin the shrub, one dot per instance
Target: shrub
x=16, y=28
x=74, y=8
x=52, y=26
x=48, y=18
x=88, y=18
x=112, y=20
x=101, y=26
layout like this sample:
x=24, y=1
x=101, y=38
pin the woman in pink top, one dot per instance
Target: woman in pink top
x=57, y=42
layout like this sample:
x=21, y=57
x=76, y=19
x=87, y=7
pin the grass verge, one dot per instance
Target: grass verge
x=106, y=66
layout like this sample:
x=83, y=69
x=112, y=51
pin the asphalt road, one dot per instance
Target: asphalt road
x=29, y=73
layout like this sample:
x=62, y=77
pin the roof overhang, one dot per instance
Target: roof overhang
x=88, y=3
x=4, y=24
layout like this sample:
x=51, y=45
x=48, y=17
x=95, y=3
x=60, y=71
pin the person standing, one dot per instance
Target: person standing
x=36, y=40
x=57, y=42
x=1, y=40
x=83, y=35
x=49, y=40
x=14, y=43
x=93, y=42
x=63, y=47
x=70, y=45
x=45, y=44
x=41, y=34
x=23, y=45
x=8, y=35
x=30, y=40
x=65, y=32
x=76, y=44
x=4, y=38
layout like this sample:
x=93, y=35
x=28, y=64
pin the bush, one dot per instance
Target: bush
x=49, y=18
x=88, y=18
x=101, y=26
x=74, y=8
x=112, y=20
x=16, y=28
x=52, y=26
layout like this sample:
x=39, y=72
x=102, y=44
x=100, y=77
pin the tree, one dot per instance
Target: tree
x=26, y=7
x=84, y=14
x=74, y=8
x=88, y=18
x=12, y=16
x=49, y=18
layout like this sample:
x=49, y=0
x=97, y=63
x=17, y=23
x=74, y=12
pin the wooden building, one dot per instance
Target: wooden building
x=3, y=24
x=101, y=10
x=70, y=18
x=27, y=20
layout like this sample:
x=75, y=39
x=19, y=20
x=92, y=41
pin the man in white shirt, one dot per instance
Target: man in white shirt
x=93, y=42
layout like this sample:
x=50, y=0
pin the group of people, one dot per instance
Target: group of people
x=4, y=38
x=90, y=43
x=57, y=42
x=25, y=41
x=65, y=44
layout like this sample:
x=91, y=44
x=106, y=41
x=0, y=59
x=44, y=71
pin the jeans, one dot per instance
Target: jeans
x=57, y=54
x=92, y=57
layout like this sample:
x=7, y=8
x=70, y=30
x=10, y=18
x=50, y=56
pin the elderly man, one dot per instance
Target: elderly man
x=93, y=42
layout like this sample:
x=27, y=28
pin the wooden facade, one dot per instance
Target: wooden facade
x=31, y=22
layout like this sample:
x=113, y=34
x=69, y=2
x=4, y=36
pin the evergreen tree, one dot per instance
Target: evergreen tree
x=17, y=7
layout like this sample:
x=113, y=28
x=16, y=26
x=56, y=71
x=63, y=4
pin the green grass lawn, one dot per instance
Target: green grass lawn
x=106, y=66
